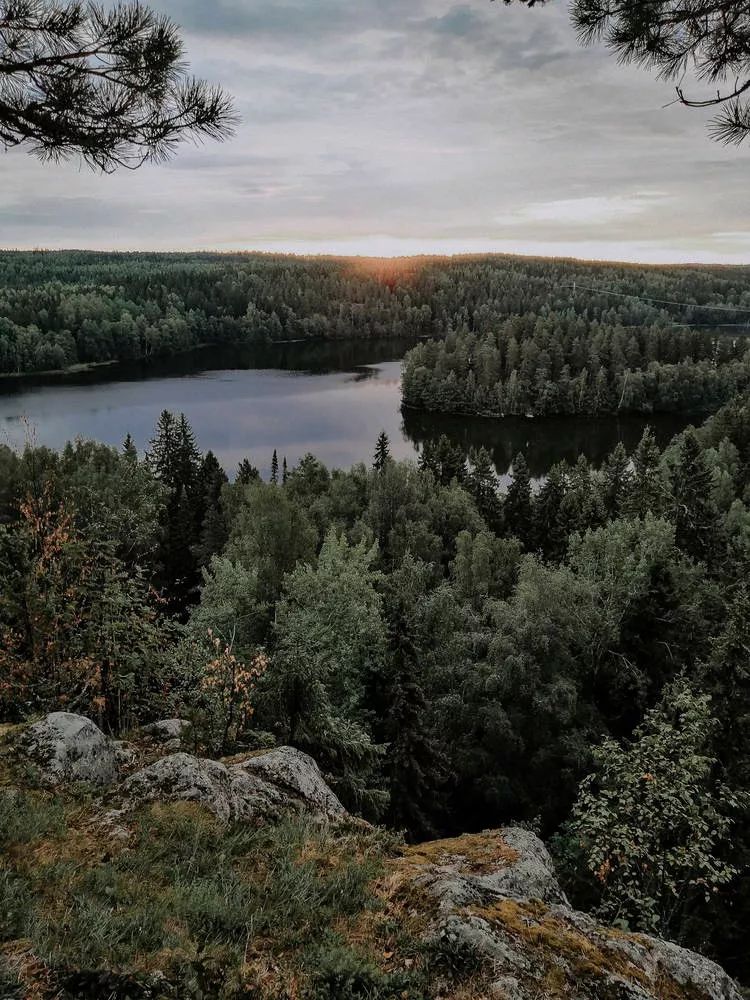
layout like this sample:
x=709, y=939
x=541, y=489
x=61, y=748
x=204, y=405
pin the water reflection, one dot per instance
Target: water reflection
x=543, y=442
x=331, y=399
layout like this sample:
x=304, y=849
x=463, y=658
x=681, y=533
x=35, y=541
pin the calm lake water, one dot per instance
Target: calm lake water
x=328, y=399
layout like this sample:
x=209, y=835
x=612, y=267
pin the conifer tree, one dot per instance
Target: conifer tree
x=284, y=471
x=129, y=449
x=416, y=767
x=246, y=472
x=550, y=522
x=648, y=491
x=212, y=525
x=615, y=482
x=483, y=485
x=444, y=459
x=694, y=512
x=274, y=467
x=382, y=452
x=517, y=506
x=175, y=461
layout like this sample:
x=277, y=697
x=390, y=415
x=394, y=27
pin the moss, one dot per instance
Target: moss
x=588, y=959
x=473, y=854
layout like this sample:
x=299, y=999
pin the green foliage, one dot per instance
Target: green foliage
x=330, y=637
x=338, y=972
x=440, y=676
x=652, y=822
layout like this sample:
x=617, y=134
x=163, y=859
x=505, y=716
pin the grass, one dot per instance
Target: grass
x=221, y=911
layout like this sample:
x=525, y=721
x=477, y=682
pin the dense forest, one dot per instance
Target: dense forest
x=563, y=363
x=68, y=308
x=454, y=655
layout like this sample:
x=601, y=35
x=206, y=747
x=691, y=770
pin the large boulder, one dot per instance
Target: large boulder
x=494, y=896
x=258, y=788
x=68, y=747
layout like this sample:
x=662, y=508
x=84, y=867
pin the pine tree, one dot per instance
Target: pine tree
x=275, y=467
x=382, y=452
x=517, y=507
x=107, y=85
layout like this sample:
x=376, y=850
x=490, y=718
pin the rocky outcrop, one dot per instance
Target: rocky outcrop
x=68, y=747
x=494, y=897
x=258, y=788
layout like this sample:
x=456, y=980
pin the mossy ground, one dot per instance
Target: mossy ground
x=171, y=903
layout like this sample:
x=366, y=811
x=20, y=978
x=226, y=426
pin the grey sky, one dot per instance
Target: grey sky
x=404, y=126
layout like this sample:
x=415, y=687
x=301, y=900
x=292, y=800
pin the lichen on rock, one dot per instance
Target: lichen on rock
x=68, y=747
x=258, y=788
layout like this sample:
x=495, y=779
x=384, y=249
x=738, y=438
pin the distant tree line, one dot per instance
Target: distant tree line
x=68, y=308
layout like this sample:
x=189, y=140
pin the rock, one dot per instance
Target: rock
x=125, y=753
x=166, y=730
x=67, y=747
x=252, y=789
x=298, y=775
x=495, y=898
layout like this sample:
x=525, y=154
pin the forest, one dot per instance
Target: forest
x=569, y=320
x=572, y=656
x=562, y=364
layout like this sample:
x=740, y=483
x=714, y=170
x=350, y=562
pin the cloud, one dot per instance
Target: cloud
x=376, y=123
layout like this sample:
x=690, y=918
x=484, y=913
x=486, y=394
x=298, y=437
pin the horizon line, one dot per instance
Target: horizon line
x=330, y=255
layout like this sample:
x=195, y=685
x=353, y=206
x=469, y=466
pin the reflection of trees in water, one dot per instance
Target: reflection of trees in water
x=543, y=441
x=320, y=357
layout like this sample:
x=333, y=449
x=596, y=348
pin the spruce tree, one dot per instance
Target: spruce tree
x=482, y=484
x=551, y=528
x=517, y=507
x=274, y=467
x=175, y=461
x=615, y=482
x=382, y=452
x=129, y=449
x=648, y=492
x=444, y=459
x=695, y=515
x=212, y=527
x=416, y=767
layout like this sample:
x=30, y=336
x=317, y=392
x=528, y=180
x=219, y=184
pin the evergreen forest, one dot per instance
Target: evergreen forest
x=521, y=334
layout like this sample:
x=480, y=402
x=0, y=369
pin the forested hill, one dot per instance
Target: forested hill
x=65, y=308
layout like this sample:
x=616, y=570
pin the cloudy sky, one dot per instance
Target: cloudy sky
x=407, y=126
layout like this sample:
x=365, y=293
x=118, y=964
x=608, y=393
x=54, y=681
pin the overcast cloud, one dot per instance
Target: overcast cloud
x=405, y=126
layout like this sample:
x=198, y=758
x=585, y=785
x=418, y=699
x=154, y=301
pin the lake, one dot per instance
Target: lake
x=331, y=399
